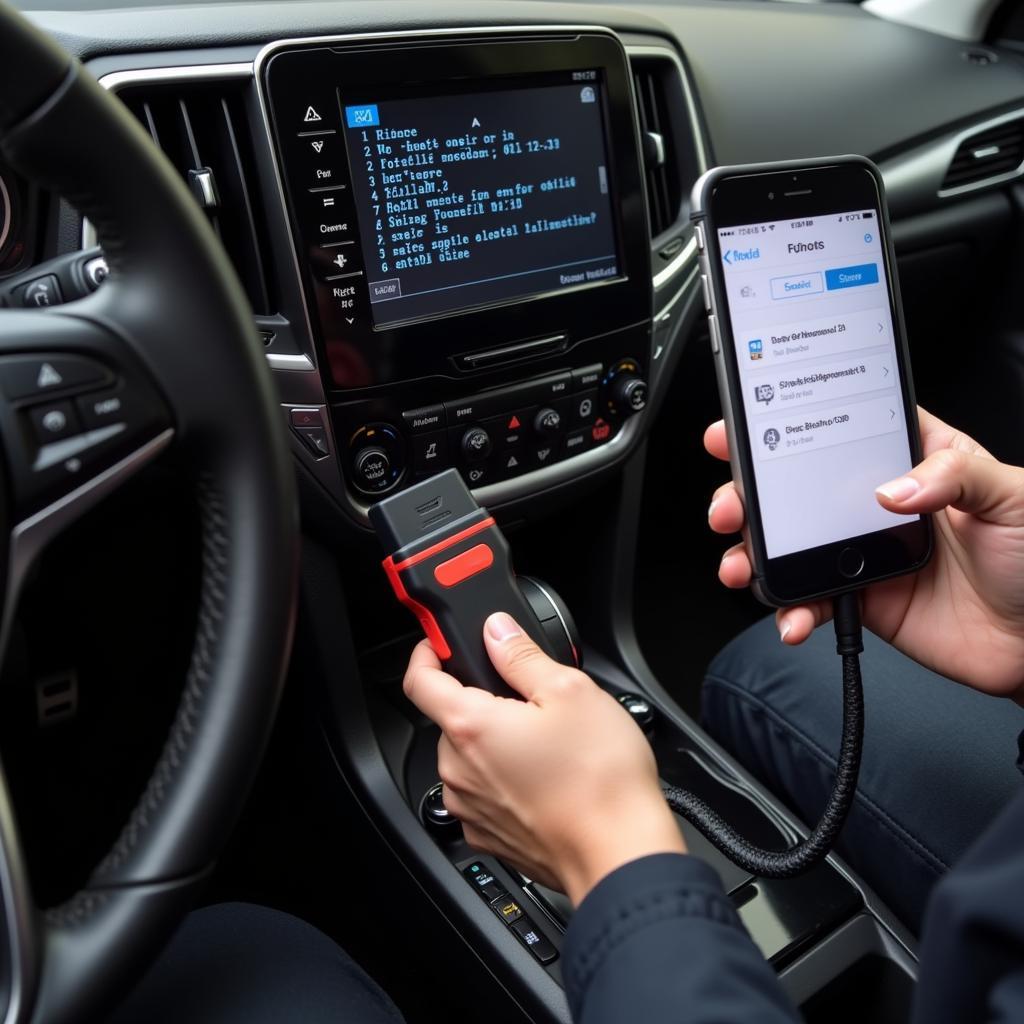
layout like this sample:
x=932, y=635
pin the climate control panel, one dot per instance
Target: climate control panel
x=499, y=433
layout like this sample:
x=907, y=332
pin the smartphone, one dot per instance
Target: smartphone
x=813, y=371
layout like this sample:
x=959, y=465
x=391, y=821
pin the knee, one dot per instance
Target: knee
x=756, y=676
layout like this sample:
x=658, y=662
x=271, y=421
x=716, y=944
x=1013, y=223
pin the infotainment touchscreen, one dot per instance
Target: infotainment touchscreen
x=481, y=197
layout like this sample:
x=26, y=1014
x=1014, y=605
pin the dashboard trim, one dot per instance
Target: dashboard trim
x=920, y=171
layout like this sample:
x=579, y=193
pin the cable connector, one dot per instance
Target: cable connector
x=849, y=636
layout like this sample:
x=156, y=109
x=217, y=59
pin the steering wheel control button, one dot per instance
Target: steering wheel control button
x=54, y=421
x=306, y=418
x=43, y=291
x=476, y=444
x=507, y=909
x=534, y=940
x=37, y=376
x=96, y=271
x=851, y=562
x=99, y=410
x=315, y=439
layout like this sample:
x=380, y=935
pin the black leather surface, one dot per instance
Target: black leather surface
x=172, y=297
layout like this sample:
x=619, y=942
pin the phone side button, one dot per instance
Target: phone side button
x=698, y=233
x=851, y=562
x=716, y=345
x=706, y=291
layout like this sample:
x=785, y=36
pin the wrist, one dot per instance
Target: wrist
x=609, y=841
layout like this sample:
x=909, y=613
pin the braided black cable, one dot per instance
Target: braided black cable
x=805, y=854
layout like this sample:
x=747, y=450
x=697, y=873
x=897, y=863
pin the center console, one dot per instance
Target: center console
x=471, y=234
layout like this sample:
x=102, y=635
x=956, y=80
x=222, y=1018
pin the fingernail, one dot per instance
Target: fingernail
x=501, y=626
x=784, y=629
x=900, y=489
x=711, y=508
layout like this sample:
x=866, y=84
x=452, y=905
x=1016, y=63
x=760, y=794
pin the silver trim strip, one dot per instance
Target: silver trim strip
x=117, y=80
x=670, y=53
x=5, y=201
x=688, y=253
x=286, y=361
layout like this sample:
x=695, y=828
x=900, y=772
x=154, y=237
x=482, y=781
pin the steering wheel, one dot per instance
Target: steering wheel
x=166, y=351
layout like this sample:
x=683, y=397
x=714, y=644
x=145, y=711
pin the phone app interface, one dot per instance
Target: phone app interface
x=813, y=331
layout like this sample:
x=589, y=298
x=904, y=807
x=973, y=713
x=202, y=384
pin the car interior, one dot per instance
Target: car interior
x=253, y=282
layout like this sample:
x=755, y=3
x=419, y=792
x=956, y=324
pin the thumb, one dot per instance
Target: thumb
x=976, y=484
x=519, y=661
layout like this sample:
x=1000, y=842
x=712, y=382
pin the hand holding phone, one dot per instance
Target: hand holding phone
x=963, y=614
x=813, y=372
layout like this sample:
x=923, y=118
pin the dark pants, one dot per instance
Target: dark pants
x=236, y=963
x=939, y=758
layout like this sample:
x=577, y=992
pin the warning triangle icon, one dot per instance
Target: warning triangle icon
x=48, y=377
x=311, y=115
x=514, y=424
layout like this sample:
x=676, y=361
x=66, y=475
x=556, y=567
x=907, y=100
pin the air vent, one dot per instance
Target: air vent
x=993, y=155
x=671, y=163
x=204, y=131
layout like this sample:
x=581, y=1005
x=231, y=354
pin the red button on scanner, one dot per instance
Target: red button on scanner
x=462, y=566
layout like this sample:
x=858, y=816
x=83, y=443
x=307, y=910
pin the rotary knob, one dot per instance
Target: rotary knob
x=628, y=394
x=547, y=422
x=372, y=467
x=476, y=444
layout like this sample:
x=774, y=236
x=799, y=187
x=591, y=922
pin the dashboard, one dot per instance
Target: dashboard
x=464, y=231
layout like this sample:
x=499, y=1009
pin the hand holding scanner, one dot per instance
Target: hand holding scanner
x=450, y=565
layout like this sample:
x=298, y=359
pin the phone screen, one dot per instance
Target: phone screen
x=813, y=331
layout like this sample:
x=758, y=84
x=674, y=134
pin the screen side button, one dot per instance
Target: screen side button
x=716, y=341
x=706, y=291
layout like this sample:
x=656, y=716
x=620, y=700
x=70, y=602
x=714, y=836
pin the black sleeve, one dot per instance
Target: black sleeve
x=658, y=940
x=972, y=950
